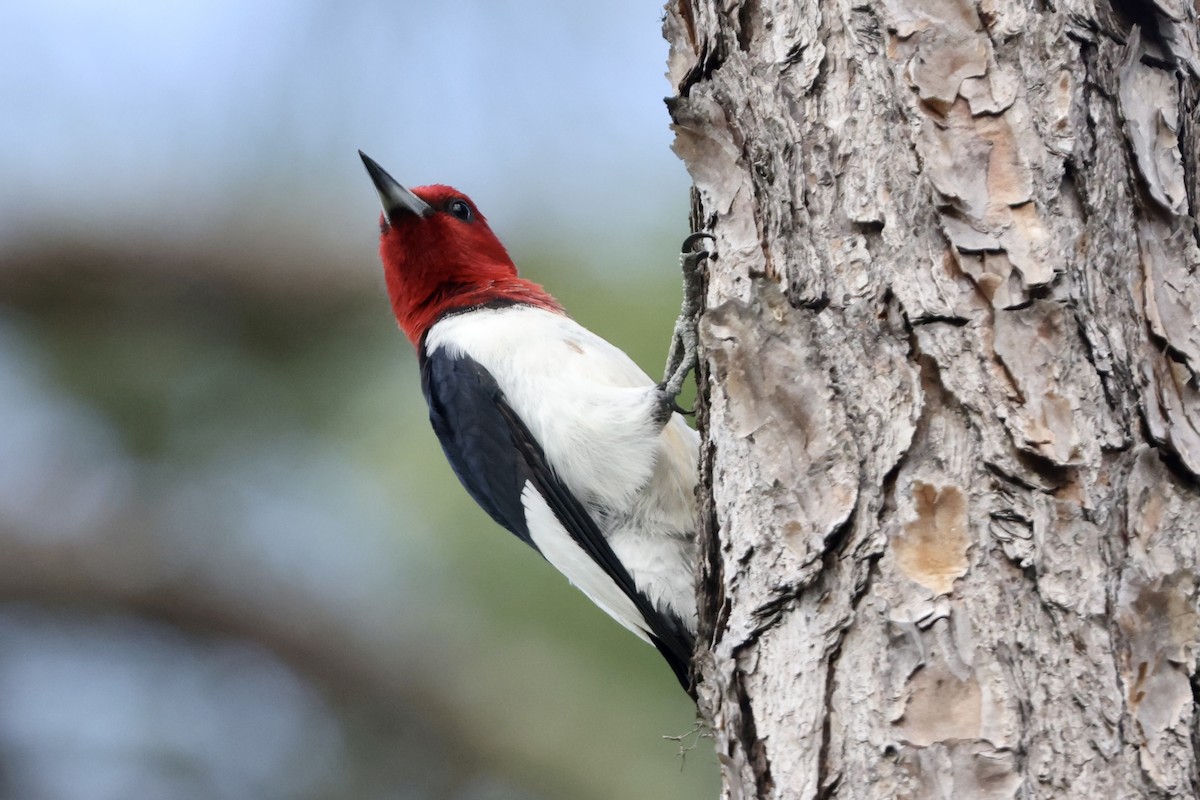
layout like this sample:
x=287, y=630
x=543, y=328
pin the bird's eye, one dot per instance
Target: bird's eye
x=460, y=209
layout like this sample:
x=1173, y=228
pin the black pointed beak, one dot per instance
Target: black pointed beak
x=397, y=201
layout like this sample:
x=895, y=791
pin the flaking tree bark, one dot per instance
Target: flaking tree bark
x=949, y=393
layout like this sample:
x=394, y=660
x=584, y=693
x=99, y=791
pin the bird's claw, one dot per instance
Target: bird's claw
x=667, y=404
x=681, y=359
x=691, y=240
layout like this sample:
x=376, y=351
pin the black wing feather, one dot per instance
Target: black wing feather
x=493, y=454
x=668, y=634
x=464, y=409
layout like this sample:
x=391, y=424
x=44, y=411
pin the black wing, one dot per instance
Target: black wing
x=494, y=455
x=464, y=408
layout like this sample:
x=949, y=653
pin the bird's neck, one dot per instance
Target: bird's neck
x=417, y=317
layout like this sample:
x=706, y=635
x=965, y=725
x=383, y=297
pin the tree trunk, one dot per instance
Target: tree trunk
x=949, y=394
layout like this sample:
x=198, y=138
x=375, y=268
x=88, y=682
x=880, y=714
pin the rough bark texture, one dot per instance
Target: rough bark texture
x=950, y=393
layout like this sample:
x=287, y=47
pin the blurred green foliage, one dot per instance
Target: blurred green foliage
x=518, y=668
x=214, y=440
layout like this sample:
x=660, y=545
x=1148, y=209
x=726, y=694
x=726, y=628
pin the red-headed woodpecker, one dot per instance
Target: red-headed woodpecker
x=556, y=433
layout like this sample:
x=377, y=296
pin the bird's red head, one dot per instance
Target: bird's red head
x=439, y=255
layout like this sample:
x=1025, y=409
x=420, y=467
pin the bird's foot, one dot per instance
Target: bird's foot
x=681, y=358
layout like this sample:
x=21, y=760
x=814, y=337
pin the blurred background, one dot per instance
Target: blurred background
x=233, y=562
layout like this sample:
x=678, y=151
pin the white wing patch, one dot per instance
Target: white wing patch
x=556, y=544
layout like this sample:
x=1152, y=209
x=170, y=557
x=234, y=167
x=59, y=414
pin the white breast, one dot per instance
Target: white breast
x=591, y=408
x=584, y=400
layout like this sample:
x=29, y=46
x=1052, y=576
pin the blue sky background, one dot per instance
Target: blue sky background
x=186, y=116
